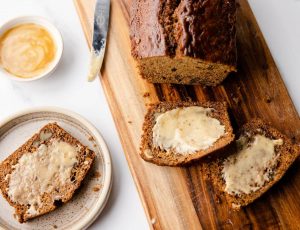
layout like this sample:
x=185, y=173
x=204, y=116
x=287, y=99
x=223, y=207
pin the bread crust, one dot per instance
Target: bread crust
x=160, y=157
x=198, y=29
x=288, y=152
x=85, y=159
x=184, y=41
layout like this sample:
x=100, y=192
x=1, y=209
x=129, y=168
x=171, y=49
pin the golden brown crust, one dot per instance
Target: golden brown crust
x=199, y=29
x=160, y=157
x=184, y=42
x=288, y=153
x=77, y=175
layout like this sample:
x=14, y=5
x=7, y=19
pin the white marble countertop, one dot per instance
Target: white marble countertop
x=68, y=88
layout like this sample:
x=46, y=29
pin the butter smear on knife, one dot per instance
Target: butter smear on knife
x=95, y=65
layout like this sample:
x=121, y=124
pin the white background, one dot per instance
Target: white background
x=67, y=87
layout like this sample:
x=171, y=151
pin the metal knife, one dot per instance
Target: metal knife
x=101, y=21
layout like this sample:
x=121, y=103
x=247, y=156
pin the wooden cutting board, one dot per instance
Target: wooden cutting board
x=180, y=198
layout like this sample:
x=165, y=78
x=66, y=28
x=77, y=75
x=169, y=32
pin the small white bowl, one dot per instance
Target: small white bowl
x=56, y=35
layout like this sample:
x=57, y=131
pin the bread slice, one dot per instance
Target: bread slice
x=33, y=182
x=172, y=157
x=285, y=154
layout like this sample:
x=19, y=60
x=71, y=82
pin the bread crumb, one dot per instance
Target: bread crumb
x=235, y=206
x=171, y=93
x=91, y=138
x=95, y=145
x=97, y=188
x=96, y=175
x=55, y=226
x=129, y=122
x=153, y=221
x=147, y=94
x=229, y=222
x=268, y=99
x=148, y=153
x=236, y=100
x=218, y=200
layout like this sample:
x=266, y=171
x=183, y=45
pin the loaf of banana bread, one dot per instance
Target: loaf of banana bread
x=184, y=41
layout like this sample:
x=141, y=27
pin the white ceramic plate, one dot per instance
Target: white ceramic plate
x=91, y=197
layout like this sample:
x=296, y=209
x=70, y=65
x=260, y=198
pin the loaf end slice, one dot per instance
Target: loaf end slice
x=44, y=172
x=285, y=153
x=159, y=155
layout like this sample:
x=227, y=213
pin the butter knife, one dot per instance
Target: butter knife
x=101, y=21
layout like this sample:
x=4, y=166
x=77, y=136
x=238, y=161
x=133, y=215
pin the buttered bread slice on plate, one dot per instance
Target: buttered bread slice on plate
x=261, y=158
x=176, y=133
x=44, y=172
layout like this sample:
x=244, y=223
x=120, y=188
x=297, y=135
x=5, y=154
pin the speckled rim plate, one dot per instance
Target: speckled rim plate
x=88, y=202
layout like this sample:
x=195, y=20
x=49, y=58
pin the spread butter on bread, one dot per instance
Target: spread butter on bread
x=44, y=172
x=176, y=133
x=259, y=159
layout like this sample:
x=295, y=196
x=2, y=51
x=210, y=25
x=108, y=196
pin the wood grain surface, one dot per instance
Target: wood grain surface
x=180, y=198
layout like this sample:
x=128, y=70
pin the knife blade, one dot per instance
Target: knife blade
x=101, y=21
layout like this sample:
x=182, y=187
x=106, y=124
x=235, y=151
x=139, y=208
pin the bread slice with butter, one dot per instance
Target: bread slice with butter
x=261, y=157
x=176, y=133
x=44, y=172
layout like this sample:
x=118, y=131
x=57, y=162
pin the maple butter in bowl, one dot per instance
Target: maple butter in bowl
x=30, y=48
